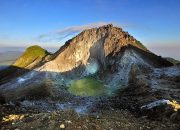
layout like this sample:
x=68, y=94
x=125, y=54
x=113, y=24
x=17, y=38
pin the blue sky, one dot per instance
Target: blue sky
x=156, y=23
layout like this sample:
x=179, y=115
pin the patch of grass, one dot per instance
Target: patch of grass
x=87, y=87
x=31, y=54
x=140, y=45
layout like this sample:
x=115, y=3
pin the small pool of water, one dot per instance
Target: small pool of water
x=88, y=87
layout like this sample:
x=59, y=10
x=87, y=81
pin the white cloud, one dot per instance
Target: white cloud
x=68, y=32
x=60, y=34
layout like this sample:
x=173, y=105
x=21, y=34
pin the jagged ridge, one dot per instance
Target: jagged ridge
x=93, y=44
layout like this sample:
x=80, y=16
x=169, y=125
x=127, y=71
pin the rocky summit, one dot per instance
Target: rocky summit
x=101, y=75
x=100, y=45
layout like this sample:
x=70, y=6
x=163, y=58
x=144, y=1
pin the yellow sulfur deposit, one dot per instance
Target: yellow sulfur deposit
x=12, y=118
x=174, y=104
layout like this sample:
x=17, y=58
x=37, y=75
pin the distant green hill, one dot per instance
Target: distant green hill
x=32, y=54
x=175, y=62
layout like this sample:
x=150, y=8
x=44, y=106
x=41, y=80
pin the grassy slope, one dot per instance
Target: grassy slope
x=141, y=45
x=31, y=54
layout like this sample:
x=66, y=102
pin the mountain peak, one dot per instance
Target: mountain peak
x=107, y=26
x=116, y=35
x=96, y=47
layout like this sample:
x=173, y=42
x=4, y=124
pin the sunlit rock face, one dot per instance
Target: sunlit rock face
x=96, y=43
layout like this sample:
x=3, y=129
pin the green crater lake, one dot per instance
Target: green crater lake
x=88, y=87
